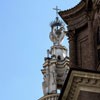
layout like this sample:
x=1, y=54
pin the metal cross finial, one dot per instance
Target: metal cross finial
x=56, y=10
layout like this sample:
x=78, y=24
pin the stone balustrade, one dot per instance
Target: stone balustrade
x=50, y=97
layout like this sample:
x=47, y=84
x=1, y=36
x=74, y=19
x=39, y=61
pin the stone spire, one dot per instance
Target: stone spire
x=56, y=65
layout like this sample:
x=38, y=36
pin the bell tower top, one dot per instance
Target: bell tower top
x=57, y=29
x=57, y=34
x=56, y=64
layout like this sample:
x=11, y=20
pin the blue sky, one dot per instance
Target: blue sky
x=24, y=39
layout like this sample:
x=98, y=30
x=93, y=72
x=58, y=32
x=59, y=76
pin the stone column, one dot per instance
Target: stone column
x=72, y=49
x=91, y=44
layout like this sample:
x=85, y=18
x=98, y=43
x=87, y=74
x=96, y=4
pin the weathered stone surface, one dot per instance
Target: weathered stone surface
x=80, y=85
x=50, y=97
x=83, y=22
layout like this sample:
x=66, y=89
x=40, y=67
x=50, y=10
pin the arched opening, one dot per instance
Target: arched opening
x=59, y=57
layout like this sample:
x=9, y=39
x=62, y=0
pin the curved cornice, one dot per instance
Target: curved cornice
x=75, y=17
x=74, y=10
x=63, y=62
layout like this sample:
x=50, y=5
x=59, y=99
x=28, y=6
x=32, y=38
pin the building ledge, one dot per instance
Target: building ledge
x=81, y=82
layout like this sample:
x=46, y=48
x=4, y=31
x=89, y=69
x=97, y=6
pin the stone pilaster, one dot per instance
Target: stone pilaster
x=91, y=44
x=72, y=49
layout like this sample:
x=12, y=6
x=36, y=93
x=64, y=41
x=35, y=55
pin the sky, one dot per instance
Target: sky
x=24, y=40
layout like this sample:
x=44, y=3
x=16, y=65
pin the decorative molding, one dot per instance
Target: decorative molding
x=73, y=10
x=50, y=97
x=82, y=41
x=85, y=81
x=75, y=17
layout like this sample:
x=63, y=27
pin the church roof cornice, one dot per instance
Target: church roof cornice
x=75, y=17
x=72, y=11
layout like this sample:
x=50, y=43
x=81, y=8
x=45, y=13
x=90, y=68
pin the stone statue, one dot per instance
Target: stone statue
x=57, y=34
x=53, y=76
x=45, y=84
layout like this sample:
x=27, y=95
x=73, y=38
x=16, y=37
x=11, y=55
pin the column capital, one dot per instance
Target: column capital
x=71, y=35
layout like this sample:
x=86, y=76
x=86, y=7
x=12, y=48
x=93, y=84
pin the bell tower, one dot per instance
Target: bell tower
x=56, y=64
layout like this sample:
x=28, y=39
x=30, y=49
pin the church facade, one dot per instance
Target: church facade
x=84, y=34
x=83, y=80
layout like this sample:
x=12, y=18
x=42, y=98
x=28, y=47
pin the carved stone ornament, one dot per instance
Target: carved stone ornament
x=57, y=35
x=81, y=85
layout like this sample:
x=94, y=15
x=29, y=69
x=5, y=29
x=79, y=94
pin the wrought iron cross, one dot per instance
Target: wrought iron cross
x=56, y=10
